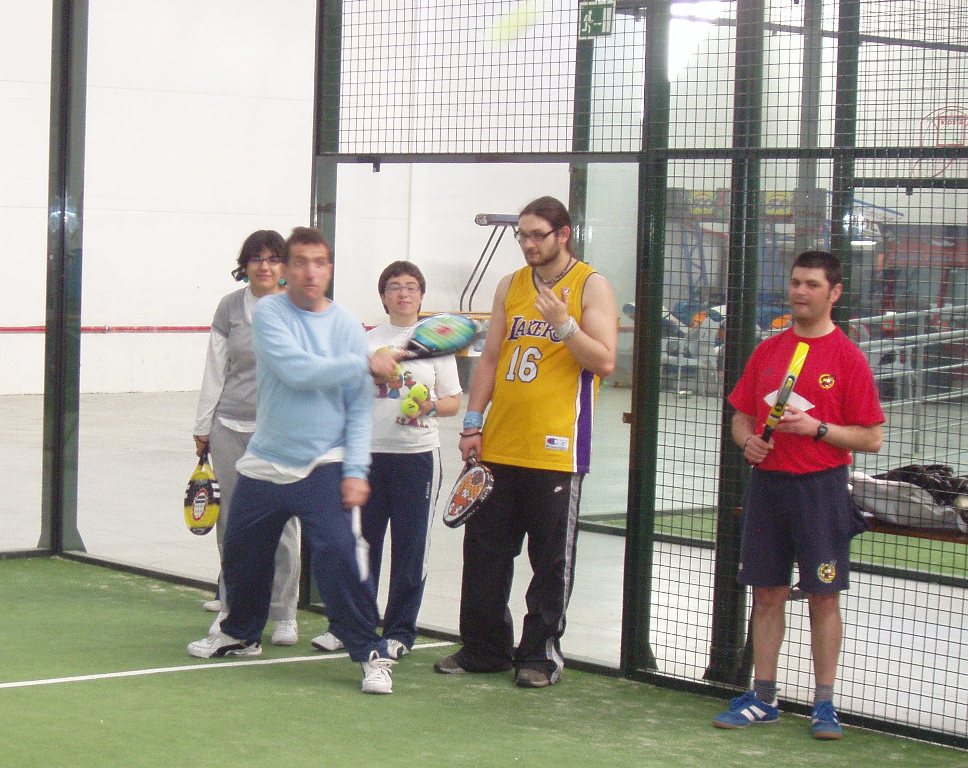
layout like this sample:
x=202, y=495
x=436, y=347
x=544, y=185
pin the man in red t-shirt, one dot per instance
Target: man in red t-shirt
x=798, y=507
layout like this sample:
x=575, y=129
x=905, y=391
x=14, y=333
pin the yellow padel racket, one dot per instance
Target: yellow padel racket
x=789, y=382
x=202, y=498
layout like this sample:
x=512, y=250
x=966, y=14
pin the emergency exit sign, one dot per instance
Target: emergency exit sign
x=595, y=19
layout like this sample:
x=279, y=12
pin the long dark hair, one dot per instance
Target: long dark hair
x=552, y=210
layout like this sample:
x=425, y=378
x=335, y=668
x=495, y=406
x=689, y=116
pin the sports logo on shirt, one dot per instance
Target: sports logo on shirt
x=556, y=443
x=826, y=381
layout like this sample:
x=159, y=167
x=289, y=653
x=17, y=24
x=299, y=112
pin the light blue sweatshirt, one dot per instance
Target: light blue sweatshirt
x=315, y=392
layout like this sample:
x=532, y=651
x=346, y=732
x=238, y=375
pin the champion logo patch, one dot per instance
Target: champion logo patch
x=556, y=443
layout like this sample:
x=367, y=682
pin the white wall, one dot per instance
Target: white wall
x=425, y=214
x=199, y=131
x=24, y=110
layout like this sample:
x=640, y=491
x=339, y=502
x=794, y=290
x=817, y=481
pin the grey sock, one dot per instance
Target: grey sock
x=765, y=690
x=823, y=693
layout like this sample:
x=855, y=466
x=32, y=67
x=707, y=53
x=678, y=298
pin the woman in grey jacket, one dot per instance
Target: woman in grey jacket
x=225, y=418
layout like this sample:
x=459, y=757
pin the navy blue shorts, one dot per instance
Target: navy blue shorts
x=807, y=519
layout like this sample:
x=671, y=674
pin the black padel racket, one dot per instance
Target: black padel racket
x=473, y=486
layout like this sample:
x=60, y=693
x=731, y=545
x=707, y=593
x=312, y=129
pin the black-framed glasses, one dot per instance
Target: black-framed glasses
x=257, y=260
x=534, y=237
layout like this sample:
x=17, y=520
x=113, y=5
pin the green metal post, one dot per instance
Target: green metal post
x=808, y=203
x=62, y=354
x=845, y=138
x=729, y=599
x=329, y=20
x=581, y=142
x=636, y=650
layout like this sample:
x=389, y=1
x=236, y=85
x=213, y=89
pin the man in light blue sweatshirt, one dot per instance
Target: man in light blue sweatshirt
x=309, y=457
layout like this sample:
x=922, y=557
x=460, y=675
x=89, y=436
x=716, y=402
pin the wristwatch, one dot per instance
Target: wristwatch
x=821, y=431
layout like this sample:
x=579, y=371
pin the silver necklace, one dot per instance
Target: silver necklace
x=551, y=283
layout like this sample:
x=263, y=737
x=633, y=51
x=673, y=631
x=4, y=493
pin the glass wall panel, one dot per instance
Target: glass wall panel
x=24, y=122
x=430, y=215
x=199, y=132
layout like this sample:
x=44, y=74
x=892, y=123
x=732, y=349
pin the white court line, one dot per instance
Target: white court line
x=196, y=667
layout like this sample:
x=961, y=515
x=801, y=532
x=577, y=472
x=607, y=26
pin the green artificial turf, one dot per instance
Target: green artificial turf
x=64, y=619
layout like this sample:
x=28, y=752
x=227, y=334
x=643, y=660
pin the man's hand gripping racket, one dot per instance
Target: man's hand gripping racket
x=789, y=382
x=471, y=489
x=434, y=336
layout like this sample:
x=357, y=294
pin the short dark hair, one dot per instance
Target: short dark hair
x=395, y=269
x=551, y=209
x=824, y=260
x=307, y=236
x=254, y=245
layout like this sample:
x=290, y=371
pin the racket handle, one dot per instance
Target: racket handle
x=767, y=433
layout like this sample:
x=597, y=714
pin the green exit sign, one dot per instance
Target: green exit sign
x=595, y=18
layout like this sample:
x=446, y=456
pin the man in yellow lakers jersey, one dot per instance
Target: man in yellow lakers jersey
x=551, y=338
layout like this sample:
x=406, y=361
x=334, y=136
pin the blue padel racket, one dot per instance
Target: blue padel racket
x=440, y=335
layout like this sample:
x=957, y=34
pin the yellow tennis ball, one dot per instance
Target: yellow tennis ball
x=516, y=22
x=409, y=407
x=419, y=392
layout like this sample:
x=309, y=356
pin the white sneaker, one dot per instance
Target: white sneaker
x=286, y=632
x=214, y=606
x=217, y=624
x=327, y=642
x=396, y=649
x=220, y=644
x=376, y=674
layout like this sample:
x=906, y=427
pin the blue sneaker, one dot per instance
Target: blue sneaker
x=746, y=710
x=825, y=724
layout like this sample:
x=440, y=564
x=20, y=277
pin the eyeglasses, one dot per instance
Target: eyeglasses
x=397, y=288
x=267, y=259
x=534, y=237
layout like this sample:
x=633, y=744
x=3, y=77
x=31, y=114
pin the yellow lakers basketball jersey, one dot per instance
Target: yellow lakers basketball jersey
x=544, y=401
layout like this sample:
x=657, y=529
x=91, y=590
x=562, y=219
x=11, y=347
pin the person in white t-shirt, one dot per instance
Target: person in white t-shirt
x=405, y=473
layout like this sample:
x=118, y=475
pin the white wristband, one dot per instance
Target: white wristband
x=569, y=329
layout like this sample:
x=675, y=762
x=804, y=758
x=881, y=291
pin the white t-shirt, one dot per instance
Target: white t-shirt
x=392, y=431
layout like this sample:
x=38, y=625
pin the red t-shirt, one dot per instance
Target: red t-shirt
x=836, y=386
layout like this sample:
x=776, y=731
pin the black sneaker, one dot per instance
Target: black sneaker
x=527, y=677
x=449, y=666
